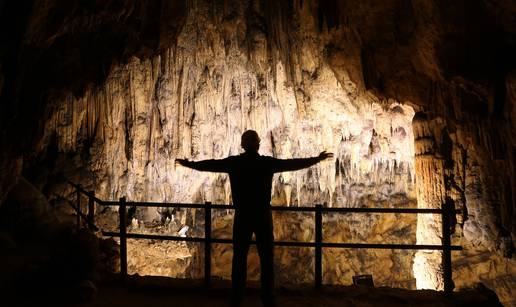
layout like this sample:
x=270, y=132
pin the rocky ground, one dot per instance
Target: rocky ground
x=169, y=292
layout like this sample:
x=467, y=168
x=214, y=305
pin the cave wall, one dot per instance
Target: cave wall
x=68, y=62
x=194, y=101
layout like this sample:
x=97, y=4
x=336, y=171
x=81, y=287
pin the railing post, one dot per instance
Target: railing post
x=91, y=210
x=446, y=256
x=318, y=247
x=78, y=207
x=207, y=243
x=123, y=239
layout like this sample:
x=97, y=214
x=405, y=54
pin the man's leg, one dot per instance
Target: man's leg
x=242, y=233
x=264, y=241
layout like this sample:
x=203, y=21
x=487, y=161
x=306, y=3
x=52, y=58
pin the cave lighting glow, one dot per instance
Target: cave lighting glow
x=372, y=141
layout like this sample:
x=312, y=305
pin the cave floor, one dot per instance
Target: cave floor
x=163, y=292
x=156, y=291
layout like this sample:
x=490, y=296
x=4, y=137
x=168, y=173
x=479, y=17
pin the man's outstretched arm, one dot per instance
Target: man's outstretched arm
x=285, y=165
x=218, y=166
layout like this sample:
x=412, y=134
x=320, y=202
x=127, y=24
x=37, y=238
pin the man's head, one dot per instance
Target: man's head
x=250, y=141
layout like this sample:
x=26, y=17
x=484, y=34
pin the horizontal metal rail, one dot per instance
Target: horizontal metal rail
x=83, y=191
x=278, y=208
x=284, y=243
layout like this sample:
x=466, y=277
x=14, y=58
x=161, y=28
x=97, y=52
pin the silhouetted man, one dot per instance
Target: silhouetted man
x=250, y=175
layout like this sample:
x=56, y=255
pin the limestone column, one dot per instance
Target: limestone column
x=431, y=193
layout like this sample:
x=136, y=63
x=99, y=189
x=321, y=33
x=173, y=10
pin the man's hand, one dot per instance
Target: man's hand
x=325, y=155
x=182, y=162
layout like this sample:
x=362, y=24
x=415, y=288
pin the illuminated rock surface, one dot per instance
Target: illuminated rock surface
x=194, y=101
x=109, y=95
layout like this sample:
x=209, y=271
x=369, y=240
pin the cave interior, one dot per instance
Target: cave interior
x=416, y=99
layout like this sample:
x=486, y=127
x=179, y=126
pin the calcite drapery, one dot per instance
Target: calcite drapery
x=194, y=101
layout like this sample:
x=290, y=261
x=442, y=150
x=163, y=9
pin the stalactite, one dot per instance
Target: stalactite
x=195, y=99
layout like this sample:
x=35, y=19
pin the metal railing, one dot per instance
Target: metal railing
x=446, y=214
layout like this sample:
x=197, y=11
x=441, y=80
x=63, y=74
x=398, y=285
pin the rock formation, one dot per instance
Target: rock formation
x=110, y=94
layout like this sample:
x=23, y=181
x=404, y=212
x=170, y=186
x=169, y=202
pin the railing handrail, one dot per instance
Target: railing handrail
x=85, y=218
x=130, y=235
x=283, y=208
x=83, y=191
x=318, y=244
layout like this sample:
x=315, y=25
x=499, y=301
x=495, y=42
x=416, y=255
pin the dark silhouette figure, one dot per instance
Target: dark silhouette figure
x=250, y=175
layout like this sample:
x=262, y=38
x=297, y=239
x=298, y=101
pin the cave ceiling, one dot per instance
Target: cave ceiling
x=417, y=51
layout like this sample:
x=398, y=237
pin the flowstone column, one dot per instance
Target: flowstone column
x=431, y=193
